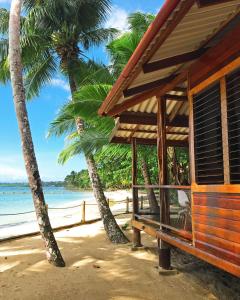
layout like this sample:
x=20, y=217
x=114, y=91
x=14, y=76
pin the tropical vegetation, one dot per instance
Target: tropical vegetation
x=15, y=63
x=55, y=38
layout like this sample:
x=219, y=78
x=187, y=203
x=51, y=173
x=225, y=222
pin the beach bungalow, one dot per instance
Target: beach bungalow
x=181, y=88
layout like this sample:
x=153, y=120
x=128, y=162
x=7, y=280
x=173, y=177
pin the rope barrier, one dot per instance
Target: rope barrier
x=65, y=207
x=59, y=208
x=22, y=213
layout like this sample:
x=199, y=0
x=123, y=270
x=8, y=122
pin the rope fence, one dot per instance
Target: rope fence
x=83, y=204
x=78, y=217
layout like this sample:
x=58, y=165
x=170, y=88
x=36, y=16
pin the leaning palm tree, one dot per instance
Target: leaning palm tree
x=54, y=37
x=120, y=51
x=90, y=140
x=52, y=250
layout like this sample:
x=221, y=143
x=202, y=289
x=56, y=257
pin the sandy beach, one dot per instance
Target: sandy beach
x=95, y=270
x=62, y=217
x=99, y=270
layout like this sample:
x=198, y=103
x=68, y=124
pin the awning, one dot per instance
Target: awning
x=181, y=33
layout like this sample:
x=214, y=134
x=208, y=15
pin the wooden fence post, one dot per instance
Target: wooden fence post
x=127, y=205
x=141, y=202
x=108, y=201
x=84, y=212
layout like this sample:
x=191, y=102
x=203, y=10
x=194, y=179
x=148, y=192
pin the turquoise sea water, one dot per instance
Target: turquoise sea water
x=15, y=199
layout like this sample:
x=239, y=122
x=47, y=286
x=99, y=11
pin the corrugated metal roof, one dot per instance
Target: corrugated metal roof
x=197, y=27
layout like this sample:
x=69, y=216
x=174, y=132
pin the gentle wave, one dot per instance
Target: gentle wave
x=14, y=224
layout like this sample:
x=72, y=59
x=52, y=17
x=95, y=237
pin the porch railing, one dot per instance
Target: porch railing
x=179, y=208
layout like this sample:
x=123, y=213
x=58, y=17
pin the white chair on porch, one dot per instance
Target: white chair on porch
x=185, y=212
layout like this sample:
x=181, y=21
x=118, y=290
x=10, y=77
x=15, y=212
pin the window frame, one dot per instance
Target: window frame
x=221, y=77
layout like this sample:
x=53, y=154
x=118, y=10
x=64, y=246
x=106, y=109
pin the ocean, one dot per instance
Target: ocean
x=17, y=199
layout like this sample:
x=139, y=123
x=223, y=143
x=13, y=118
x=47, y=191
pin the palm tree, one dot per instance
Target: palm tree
x=90, y=140
x=69, y=35
x=52, y=250
x=120, y=51
x=90, y=97
x=54, y=37
x=122, y=48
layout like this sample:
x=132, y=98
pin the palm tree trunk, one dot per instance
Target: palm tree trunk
x=111, y=227
x=53, y=254
x=153, y=204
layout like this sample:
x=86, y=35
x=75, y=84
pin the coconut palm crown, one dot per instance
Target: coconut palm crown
x=55, y=35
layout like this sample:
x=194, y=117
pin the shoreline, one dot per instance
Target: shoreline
x=63, y=217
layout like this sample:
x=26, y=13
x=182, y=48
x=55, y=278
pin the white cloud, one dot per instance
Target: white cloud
x=118, y=19
x=57, y=82
x=11, y=174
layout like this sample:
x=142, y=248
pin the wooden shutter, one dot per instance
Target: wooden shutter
x=233, y=106
x=208, y=136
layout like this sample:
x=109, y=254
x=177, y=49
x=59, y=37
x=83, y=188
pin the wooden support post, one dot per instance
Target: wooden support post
x=225, y=130
x=141, y=202
x=127, y=205
x=136, y=232
x=164, y=250
x=108, y=201
x=84, y=212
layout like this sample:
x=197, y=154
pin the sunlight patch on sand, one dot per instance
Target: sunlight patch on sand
x=7, y=266
x=19, y=252
x=84, y=262
x=38, y=267
x=141, y=254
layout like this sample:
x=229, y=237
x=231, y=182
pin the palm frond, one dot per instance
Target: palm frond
x=97, y=36
x=40, y=73
x=121, y=49
x=64, y=123
x=4, y=21
x=4, y=71
x=91, y=72
x=90, y=141
x=4, y=63
x=3, y=48
x=88, y=99
x=139, y=22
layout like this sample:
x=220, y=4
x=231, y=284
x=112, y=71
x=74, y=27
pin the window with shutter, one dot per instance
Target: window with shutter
x=208, y=136
x=233, y=107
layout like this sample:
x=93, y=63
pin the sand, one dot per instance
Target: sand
x=95, y=270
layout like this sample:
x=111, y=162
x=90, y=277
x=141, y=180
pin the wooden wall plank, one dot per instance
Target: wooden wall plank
x=217, y=222
x=229, y=214
x=226, y=201
x=218, y=242
x=218, y=252
x=217, y=188
x=228, y=235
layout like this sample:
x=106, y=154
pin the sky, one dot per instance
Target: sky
x=43, y=109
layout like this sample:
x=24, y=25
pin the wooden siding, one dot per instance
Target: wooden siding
x=216, y=218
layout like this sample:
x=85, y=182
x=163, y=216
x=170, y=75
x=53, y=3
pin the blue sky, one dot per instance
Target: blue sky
x=43, y=109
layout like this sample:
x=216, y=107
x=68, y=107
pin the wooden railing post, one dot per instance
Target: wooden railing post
x=141, y=202
x=84, y=212
x=127, y=205
x=136, y=231
x=164, y=249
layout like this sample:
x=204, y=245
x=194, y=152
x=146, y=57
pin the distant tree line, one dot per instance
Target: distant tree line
x=117, y=174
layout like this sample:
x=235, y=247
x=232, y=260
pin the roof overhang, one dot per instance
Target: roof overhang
x=183, y=32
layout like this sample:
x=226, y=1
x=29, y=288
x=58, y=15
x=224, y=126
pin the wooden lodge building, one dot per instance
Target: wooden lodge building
x=181, y=88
